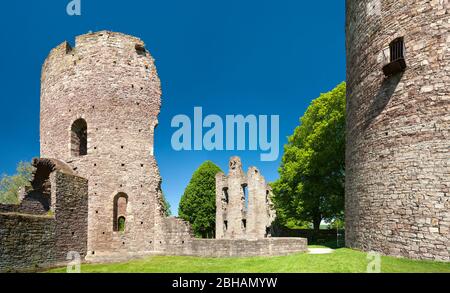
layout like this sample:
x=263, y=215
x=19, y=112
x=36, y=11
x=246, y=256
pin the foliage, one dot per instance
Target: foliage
x=342, y=260
x=166, y=206
x=10, y=185
x=337, y=224
x=282, y=220
x=121, y=224
x=312, y=171
x=198, y=203
x=294, y=224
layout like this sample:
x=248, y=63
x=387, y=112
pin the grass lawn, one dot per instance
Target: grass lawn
x=342, y=260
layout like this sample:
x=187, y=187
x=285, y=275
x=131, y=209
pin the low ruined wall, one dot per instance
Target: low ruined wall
x=176, y=236
x=237, y=247
x=178, y=240
x=28, y=241
x=35, y=203
x=246, y=248
x=8, y=208
x=71, y=215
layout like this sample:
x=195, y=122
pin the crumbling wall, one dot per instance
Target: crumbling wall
x=9, y=208
x=243, y=206
x=178, y=240
x=71, y=215
x=247, y=248
x=28, y=241
x=238, y=247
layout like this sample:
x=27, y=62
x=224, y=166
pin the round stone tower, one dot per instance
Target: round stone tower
x=100, y=102
x=398, y=124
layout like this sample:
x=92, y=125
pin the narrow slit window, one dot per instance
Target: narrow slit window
x=245, y=194
x=225, y=197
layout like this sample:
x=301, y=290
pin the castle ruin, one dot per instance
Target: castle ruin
x=243, y=206
x=96, y=188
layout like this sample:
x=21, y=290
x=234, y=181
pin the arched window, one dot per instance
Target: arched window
x=120, y=212
x=78, y=138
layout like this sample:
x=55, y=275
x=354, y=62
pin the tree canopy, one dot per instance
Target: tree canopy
x=312, y=171
x=198, y=203
x=10, y=185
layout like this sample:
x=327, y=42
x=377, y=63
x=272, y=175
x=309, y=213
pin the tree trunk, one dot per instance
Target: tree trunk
x=316, y=226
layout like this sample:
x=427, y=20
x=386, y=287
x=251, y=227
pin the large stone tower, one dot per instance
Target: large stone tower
x=100, y=102
x=398, y=127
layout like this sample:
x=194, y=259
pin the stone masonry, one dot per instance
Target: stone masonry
x=50, y=221
x=243, y=205
x=398, y=128
x=100, y=101
x=100, y=195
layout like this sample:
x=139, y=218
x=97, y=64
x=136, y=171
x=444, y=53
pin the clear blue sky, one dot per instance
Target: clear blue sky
x=228, y=56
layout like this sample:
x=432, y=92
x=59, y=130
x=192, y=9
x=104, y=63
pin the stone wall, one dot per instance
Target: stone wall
x=398, y=129
x=110, y=81
x=35, y=203
x=178, y=240
x=28, y=241
x=71, y=215
x=243, y=207
x=240, y=247
x=100, y=102
x=177, y=237
x=9, y=208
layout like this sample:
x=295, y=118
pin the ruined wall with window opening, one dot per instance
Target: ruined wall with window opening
x=101, y=194
x=243, y=206
x=44, y=227
x=100, y=100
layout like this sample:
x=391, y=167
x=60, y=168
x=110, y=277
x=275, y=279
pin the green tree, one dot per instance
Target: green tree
x=121, y=224
x=312, y=171
x=166, y=206
x=10, y=185
x=198, y=203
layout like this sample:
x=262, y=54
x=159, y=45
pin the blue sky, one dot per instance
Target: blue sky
x=268, y=57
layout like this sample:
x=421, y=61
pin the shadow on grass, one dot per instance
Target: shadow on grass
x=334, y=244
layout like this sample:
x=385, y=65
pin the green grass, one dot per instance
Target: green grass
x=343, y=260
